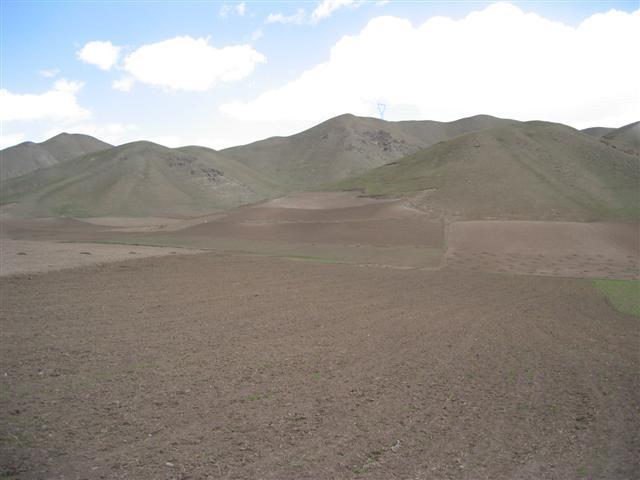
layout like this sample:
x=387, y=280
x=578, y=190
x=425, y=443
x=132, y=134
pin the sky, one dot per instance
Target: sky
x=224, y=73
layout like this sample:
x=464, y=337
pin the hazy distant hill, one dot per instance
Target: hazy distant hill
x=534, y=170
x=137, y=179
x=28, y=156
x=625, y=138
x=597, y=131
x=345, y=146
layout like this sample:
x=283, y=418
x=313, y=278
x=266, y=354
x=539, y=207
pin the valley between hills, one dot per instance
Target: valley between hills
x=364, y=299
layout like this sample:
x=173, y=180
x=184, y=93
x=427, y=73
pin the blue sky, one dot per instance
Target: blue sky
x=226, y=73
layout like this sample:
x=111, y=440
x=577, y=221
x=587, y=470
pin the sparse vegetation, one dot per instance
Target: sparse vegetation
x=624, y=295
x=534, y=171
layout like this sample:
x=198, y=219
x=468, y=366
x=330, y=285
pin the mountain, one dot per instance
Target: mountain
x=597, y=131
x=532, y=170
x=345, y=146
x=137, y=179
x=28, y=156
x=476, y=167
x=625, y=138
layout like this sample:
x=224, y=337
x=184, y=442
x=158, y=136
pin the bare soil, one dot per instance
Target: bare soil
x=226, y=366
x=566, y=249
x=25, y=256
x=209, y=366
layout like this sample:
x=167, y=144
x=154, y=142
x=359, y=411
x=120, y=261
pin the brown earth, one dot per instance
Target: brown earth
x=26, y=256
x=343, y=227
x=565, y=249
x=209, y=366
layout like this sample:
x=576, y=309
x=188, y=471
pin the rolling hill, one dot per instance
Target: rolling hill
x=137, y=179
x=625, y=138
x=476, y=167
x=597, y=131
x=28, y=156
x=345, y=146
x=532, y=170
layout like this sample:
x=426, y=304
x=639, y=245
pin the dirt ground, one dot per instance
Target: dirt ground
x=565, y=249
x=210, y=366
x=468, y=357
x=346, y=228
x=341, y=228
x=25, y=256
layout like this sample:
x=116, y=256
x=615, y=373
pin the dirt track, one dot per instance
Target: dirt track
x=242, y=367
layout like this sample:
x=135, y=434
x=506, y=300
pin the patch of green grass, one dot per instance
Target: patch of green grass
x=8, y=472
x=104, y=375
x=297, y=418
x=264, y=365
x=358, y=470
x=258, y=396
x=136, y=367
x=624, y=295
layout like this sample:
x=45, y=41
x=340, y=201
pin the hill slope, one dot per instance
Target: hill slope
x=345, y=146
x=28, y=156
x=597, y=131
x=137, y=179
x=534, y=170
x=625, y=138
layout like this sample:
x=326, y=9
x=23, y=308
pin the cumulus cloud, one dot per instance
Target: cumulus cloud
x=103, y=55
x=124, y=84
x=297, y=18
x=326, y=8
x=499, y=60
x=58, y=103
x=227, y=10
x=323, y=11
x=191, y=64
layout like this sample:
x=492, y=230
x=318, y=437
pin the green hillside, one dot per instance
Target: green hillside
x=345, y=146
x=28, y=156
x=534, y=170
x=137, y=179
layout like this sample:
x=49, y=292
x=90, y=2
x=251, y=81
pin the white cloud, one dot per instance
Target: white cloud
x=49, y=73
x=297, y=18
x=104, y=55
x=185, y=63
x=326, y=8
x=10, y=139
x=58, y=103
x=227, y=10
x=498, y=60
x=124, y=84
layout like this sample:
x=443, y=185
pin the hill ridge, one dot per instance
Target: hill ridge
x=28, y=156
